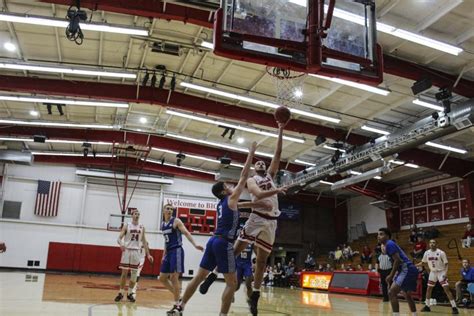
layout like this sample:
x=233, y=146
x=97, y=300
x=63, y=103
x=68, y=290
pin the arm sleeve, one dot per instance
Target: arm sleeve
x=425, y=257
x=444, y=257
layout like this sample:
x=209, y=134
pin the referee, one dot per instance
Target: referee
x=385, y=266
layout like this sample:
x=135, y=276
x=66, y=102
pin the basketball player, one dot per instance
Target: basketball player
x=173, y=258
x=404, y=274
x=261, y=226
x=134, y=237
x=219, y=249
x=244, y=270
x=436, y=259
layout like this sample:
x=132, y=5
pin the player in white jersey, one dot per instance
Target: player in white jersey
x=261, y=226
x=131, y=239
x=437, y=261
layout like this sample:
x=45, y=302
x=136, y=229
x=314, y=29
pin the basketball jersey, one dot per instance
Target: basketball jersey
x=391, y=248
x=265, y=183
x=246, y=255
x=133, y=237
x=436, y=260
x=172, y=235
x=227, y=220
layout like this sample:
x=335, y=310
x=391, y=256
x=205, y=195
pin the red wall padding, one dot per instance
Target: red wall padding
x=93, y=258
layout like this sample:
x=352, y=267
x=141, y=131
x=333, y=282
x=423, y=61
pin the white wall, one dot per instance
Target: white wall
x=83, y=213
x=359, y=210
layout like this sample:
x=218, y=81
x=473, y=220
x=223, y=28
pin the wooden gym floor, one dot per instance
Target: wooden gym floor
x=23, y=293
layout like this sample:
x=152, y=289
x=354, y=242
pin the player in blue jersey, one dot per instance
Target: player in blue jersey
x=173, y=257
x=219, y=249
x=244, y=270
x=404, y=274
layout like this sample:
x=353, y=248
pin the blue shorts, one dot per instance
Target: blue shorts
x=244, y=270
x=407, y=278
x=219, y=252
x=173, y=261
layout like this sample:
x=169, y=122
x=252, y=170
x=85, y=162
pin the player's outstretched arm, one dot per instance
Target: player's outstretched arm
x=120, y=237
x=145, y=245
x=275, y=164
x=234, y=197
x=179, y=225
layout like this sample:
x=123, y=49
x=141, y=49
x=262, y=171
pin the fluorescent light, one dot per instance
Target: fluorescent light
x=333, y=148
x=409, y=36
x=356, y=173
x=41, y=123
x=397, y=162
x=299, y=2
x=375, y=130
x=378, y=177
x=53, y=153
x=15, y=139
x=240, y=140
x=34, y=113
x=256, y=101
x=356, y=85
x=326, y=182
x=205, y=142
x=181, y=167
x=411, y=165
x=305, y=163
x=298, y=93
x=429, y=105
x=207, y=45
x=238, y=127
x=67, y=70
x=453, y=149
x=9, y=46
x=18, y=98
x=143, y=120
x=54, y=22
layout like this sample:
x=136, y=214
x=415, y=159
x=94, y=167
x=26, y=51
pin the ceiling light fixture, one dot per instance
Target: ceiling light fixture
x=143, y=120
x=326, y=182
x=234, y=96
x=411, y=165
x=356, y=85
x=90, y=26
x=397, y=162
x=240, y=140
x=34, y=113
x=449, y=148
x=205, y=142
x=9, y=46
x=375, y=130
x=67, y=70
x=428, y=105
x=56, y=124
x=334, y=148
x=235, y=126
x=19, y=98
x=207, y=45
x=306, y=163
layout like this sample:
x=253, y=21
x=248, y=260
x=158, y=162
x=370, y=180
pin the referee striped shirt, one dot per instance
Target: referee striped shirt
x=384, y=262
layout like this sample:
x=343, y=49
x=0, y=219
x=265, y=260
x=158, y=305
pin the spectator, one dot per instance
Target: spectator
x=366, y=256
x=320, y=268
x=467, y=277
x=277, y=274
x=343, y=267
x=431, y=233
x=309, y=263
x=413, y=234
x=359, y=267
x=289, y=271
x=419, y=248
x=349, y=267
x=371, y=268
x=338, y=254
x=467, y=237
x=348, y=253
x=385, y=267
x=329, y=268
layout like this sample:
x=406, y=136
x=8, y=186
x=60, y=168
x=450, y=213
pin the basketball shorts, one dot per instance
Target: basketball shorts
x=219, y=253
x=407, y=278
x=173, y=261
x=259, y=231
x=244, y=270
x=130, y=259
x=436, y=276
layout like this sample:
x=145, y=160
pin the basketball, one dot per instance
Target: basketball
x=282, y=114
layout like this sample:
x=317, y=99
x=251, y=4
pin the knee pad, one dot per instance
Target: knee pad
x=133, y=276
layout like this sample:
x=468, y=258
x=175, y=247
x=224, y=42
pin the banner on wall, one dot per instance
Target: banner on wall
x=199, y=216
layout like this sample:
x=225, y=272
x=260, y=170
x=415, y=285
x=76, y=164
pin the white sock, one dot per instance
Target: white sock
x=122, y=291
x=427, y=302
x=453, y=303
x=395, y=314
x=256, y=289
x=414, y=314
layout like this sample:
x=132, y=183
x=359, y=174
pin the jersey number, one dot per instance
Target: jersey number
x=219, y=211
x=135, y=237
x=266, y=186
x=167, y=239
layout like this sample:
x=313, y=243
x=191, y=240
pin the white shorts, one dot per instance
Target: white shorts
x=130, y=259
x=259, y=231
x=436, y=276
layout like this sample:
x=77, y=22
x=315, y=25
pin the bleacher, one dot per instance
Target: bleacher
x=447, y=233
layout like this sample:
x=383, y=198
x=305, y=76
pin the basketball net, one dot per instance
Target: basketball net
x=289, y=86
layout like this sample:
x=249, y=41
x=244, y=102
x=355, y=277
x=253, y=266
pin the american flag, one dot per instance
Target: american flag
x=47, y=198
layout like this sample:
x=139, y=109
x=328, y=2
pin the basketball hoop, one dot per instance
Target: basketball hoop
x=289, y=86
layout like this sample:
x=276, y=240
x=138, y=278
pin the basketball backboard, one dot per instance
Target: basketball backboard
x=335, y=38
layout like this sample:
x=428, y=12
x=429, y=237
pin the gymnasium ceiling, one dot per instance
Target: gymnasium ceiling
x=449, y=21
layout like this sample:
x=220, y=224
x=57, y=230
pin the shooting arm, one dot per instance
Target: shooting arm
x=234, y=198
x=275, y=164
